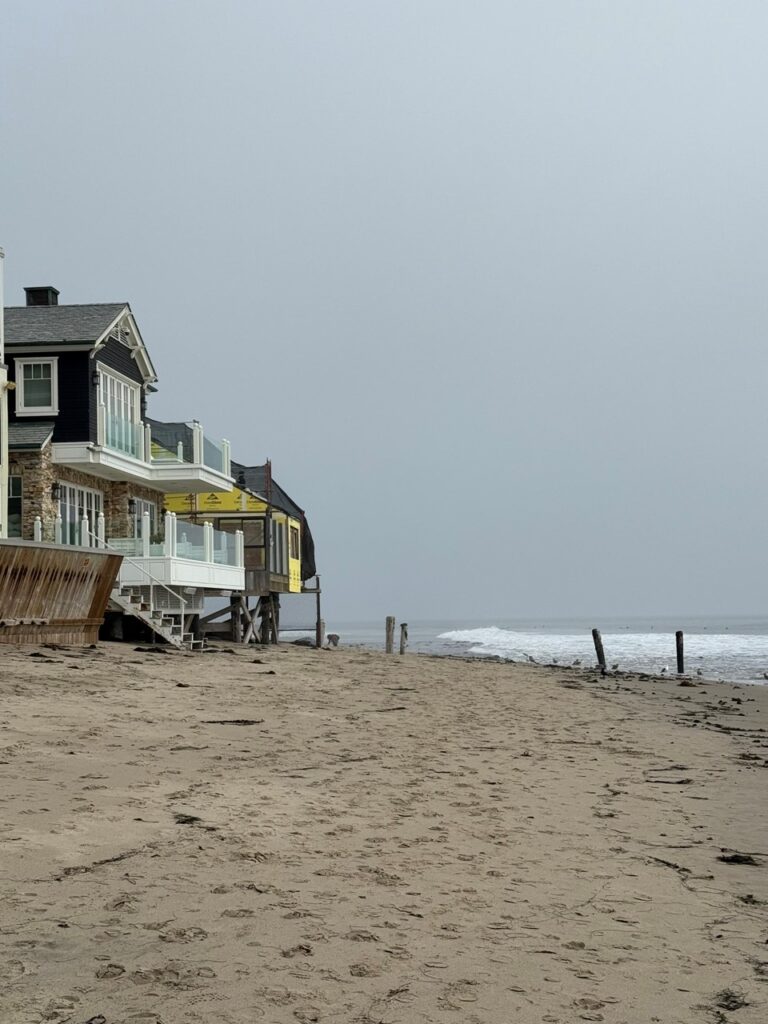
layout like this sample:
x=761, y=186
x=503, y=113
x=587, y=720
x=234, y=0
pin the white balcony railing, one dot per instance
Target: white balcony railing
x=136, y=440
x=179, y=540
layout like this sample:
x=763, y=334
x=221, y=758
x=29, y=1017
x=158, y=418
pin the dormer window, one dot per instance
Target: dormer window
x=37, y=388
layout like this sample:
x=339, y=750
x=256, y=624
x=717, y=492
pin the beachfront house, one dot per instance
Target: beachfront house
x=87, y=467
x=279, y=551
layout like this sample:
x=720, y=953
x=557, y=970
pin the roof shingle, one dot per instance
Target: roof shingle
x=31, y=435
x=59, y=325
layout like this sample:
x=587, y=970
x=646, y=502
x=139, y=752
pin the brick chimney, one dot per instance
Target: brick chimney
x=46, y=295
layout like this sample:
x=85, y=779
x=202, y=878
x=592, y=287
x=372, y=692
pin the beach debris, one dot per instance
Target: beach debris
x=186, y=819
x=303, y=949
x=184, y=686
x=699, y=673
x=98, y=1019
x=152, y=650
x=232, y=721
x=381, y=711
x=734, y=857
x=730, y=999
x=670, y=782
x=576, y=662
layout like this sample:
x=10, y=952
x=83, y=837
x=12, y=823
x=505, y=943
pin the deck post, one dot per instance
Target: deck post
x=236, y=618
x=101, y=535
x=57, y=530
x=208, y=542
x=147, y=443
x=38, y=529
x=403, y=636
x=146, y=529
x=101, y=421
x=197, y=444
x=680, y=652
x=85, y=533
x=319, y=624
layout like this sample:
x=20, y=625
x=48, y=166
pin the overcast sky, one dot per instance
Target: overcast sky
x=486, y=280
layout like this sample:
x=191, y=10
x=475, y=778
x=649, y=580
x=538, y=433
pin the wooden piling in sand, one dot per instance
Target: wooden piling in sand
x=598, y=642
x=403, y=636
x=680, y=652
x=389, y=644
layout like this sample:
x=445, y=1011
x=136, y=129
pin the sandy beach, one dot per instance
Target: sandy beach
x=288, y=835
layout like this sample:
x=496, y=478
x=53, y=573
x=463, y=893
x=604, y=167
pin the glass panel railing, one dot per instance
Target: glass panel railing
x=224, y=548
x=123, y=436
x=213, y=456
x=190, y=541
x=160, y=454
x=130, y=547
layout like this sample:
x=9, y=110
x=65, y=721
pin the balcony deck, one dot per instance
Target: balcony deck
x=131, y=452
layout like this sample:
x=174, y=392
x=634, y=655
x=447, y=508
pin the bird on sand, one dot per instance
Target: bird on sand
x=664, y=671
x=615, y=667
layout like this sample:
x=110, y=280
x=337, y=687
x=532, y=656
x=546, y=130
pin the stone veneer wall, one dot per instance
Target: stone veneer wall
x=39, y=474
x=38, y=477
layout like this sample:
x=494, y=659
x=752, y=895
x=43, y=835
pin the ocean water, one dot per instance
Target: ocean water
x=732, y=649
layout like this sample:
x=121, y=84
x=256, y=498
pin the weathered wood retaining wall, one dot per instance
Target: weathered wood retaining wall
x=53, y=593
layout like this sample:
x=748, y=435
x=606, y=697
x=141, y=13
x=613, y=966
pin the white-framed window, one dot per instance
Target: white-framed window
x=37, y=386
x=14, y=506
x=74, y=503
x=121, y=399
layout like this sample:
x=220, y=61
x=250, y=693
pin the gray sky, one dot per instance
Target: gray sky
x=486, y=280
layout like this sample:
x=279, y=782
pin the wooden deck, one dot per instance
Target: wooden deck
x=53, y=593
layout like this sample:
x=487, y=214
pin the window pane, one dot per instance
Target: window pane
x=14, y=506
x=37, y=392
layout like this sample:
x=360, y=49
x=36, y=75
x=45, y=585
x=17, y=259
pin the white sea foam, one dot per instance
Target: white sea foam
x=742, y=657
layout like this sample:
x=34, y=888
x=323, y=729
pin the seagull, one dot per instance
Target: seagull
x=615, y=667
x=576, y=661
x=700, y=673
x=664, y=671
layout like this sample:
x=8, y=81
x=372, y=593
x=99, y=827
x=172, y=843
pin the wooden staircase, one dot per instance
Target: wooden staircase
x=167, y=625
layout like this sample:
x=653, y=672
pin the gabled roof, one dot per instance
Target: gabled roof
x=30, y=435
x=60, y=325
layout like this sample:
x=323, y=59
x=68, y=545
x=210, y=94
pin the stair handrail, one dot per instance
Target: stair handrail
x=103, y=542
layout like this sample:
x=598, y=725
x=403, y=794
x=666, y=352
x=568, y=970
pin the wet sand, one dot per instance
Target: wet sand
x=291, y=835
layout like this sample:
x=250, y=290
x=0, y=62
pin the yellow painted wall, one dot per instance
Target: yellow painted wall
x=294, y=564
